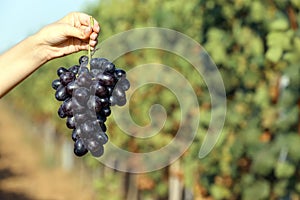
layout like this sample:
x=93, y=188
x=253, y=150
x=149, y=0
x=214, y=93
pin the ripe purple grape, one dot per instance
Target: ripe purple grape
x=56, y=83
x=61, y=93
x=61, y=70
x=79, y=148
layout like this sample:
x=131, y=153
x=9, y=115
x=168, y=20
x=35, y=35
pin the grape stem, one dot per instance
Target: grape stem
x=89, y=48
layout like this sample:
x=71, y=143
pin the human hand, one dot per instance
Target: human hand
x=70, y=34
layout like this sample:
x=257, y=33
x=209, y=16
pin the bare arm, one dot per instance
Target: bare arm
x=68, y=35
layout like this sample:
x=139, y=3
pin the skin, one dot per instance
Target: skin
x=68, y=35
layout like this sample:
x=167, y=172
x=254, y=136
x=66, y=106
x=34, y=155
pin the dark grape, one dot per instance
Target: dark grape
x=121, y=101
x=83, y=69
x=98, y=89
x=98, y=152
x=66, y=78
x=81, y=95
x=67, y=107
x=74, y=69
x=101, y=137
x=97, y=63
x=101, y=118
x=120, y=73
x=118, y=93
x=94, y=103
x=61, y=113
x=83, y=59
x=79, y=148
x=106, y=111
x=108, y=67
x=84, y=79
x=75, y=134
x=112, y=101
x=61, y=70
x=61, y=93
x=70, y=122
x=71, y=87
x=106, y=79
x=56, y=83
x=124, y=84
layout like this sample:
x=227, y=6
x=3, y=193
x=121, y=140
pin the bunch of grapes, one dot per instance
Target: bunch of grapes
x=87, y=91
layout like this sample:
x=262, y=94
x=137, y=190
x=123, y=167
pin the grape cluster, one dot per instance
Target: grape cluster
x=86, y=94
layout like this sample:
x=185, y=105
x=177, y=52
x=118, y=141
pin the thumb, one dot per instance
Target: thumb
x=77, y=32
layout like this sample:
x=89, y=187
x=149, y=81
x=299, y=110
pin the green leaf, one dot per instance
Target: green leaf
x=280, y=24
x=257, y=11
x=274, y=54
x=280, y=187
x=264, y=162
x=284, y=170
x=220, y=192
x=258, y=190
x=280, y=39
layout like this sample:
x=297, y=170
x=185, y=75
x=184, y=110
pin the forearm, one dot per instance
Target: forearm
x=19, y=62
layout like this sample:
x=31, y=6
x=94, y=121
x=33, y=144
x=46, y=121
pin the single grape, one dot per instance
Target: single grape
x=112, y=101
x=76, y=134
x=80, y=118
x=84, y=79
x=61, y=70
x=106, y=111
x=71, y=87
x=97, y=63
x=66, y=78
x=104, y=101
x=61, y=93
x=98, y=152
x=101, y=137
x=98, y=89
x=101, y=118
x=83, y=59
x=106, y=79
x=120, y=73
x=87, y=127
x=61, y=113
x=70, y=122
x=124, y=84
x=118, y=93
x=94, y=103
x=81, y=95
x=67, y=107
x=121, y=101
x=79, y=148
x=74, y=69
x=83, y=69
x=56, y=83
x=109, y=67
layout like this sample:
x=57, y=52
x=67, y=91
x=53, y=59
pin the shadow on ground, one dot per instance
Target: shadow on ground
x=8, y=195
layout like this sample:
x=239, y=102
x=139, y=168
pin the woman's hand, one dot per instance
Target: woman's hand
x=68, y=35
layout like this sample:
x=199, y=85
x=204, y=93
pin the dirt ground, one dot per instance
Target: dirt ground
x=22, y=173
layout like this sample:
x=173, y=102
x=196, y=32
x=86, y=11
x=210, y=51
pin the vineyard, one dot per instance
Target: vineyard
x=255, y=46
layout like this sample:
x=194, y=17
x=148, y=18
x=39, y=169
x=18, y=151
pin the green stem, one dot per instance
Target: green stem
x=89, y=48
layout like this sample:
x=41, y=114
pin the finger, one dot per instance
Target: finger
x=77, y=32
x=83, y=18
x=93, y=43
x=93, y=36
x=96, y=27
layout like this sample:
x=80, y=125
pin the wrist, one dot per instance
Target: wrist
x=38, y=49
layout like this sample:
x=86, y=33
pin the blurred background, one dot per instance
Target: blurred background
x=256, y=47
